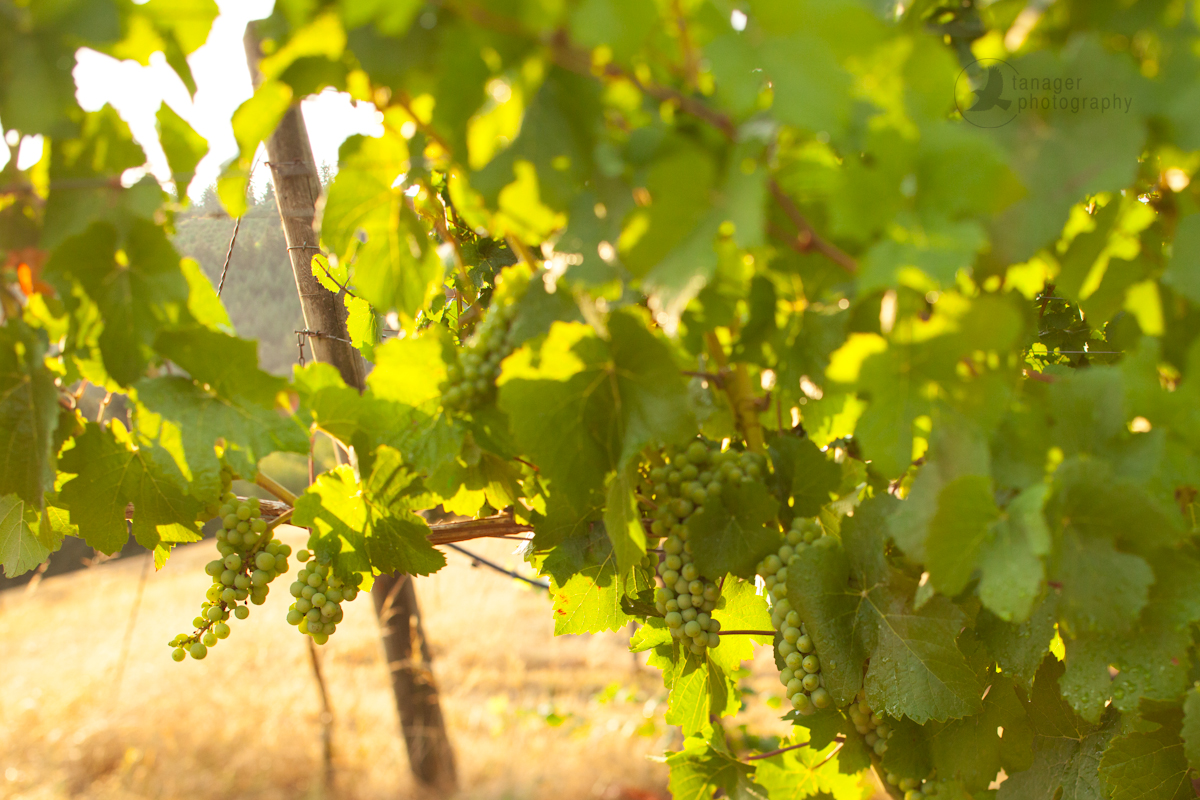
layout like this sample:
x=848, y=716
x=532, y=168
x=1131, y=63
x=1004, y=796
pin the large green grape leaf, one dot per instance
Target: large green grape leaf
x=1102, y=588
x=803, y=472
x=808, y=772
x=973, y=750
x=861, y=608
x=253, y=122
x=28, y=413
x=735, y=531
x=699, y=690
x=368, y=224
x=370, y=524
x=1183, y=271
x=583, y=406
x=84, y=173
x=20, y=550
x=1149, y=763
x=1020, y=647
x=740, y=608
x=965, y=513
x=112, y=469
x=1151, y=658
x=700, y=769
x=586, y=586
x=137, y=286
x=1010, y=560
x=1066, y=749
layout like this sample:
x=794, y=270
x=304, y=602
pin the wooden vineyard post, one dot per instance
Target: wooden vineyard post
x=297, y=187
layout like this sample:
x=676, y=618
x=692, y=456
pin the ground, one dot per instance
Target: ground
x=530, y=715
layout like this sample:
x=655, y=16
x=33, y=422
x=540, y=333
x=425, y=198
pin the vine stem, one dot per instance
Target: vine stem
x=740, y=395
x=838, y=739
x=273, y=486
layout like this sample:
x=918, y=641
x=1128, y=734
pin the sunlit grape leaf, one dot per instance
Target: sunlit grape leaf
x=110, y=474
x=28, y=413
x=699, y=770
x=368, y=223
x=20, y=550
x=182, y=145
x=586, y=406
x=368, y=525
x=86, y=172
x=740, y=608
x=735, y=531
x=586, y=586
x=699, y=689
x=807, y=772
x=137, y=286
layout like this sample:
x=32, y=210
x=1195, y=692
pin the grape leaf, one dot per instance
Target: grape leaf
x=1102, y=588
x=974, y=750
x=622, y=520
x=740, y=608
x=28, y=413
x=805, y=473
x=699, y=770
x=586, y=585
x=20, y=550
x=1066, y=749
x=371, y=524
x=735, y=531
x=110, y=472
x=136, y=289
x=958, y=530
x=863, y=609
x=1010, y=560
x=1149, y=763
x=182, y=146
x=1020, y=647
x=808, y=772
x=1191, y=727
x=587, y=406
x=699, y=689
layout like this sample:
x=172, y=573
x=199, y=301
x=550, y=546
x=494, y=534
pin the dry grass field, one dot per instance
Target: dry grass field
x=530, y=715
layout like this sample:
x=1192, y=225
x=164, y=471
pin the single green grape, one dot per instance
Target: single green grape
x=178, y=654
x=198, y=651
x=241, y=612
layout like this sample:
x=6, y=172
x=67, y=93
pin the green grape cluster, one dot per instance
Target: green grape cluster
x=873, y=728
x=250, y=560
x=472, y=382
x=801, y=675
x=319, y=595
x=686, y=598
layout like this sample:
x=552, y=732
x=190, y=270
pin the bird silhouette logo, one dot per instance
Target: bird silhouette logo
x=979, y=93
x=989, y=97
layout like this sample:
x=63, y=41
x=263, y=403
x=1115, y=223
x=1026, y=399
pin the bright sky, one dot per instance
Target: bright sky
x=223, y=83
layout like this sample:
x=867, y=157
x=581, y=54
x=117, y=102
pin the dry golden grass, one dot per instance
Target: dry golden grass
x=530, y=715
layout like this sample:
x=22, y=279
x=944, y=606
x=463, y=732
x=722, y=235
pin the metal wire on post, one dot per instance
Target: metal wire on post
x=237, y=224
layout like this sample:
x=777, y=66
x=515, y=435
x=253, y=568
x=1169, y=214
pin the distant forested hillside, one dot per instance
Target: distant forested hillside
x=259, y=292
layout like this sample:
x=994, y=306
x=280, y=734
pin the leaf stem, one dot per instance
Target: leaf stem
x=746, y=633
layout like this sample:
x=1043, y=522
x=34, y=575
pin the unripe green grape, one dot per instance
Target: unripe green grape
x=684, y=601
x=199, y=622
x=225, y=548
x=334, y=595
x=233, y=562
x=241, y=612
x=670, y=577
x=317, y=600
x=213, y=594
x=214, y=568
x=213, y=613
x=785, y=648
x=811, y=682
x=329, y=610
x=781, y=577
x=304, y=605
x=303, y=555
x=249, y=539
x=313, y=615
x=670, y=605
x=307, y=592
x=258, y=526
x=228, y=596
x=320, y=638
x=221, y=630
x=908, y=784
x=264, y=561
x=315, y=580
x=791, y=634
x=689, y=573
x=881, y=746
x=209, y=639
x=692, y=628
x=259, y=578
x=225, y=510
x=793, y=660
x=230, y=521
x=804, y=643
x=811, y=664
x=285, y=549
x=241, y=582
x=350, y=593
x=793, y=686
x=227, y=577
x=689, y=614
x=178, y=654
x=294, y=616
x=258, y=599
x=297, y=588
x=802, y=703
x=672, y=563
x=198, y=651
